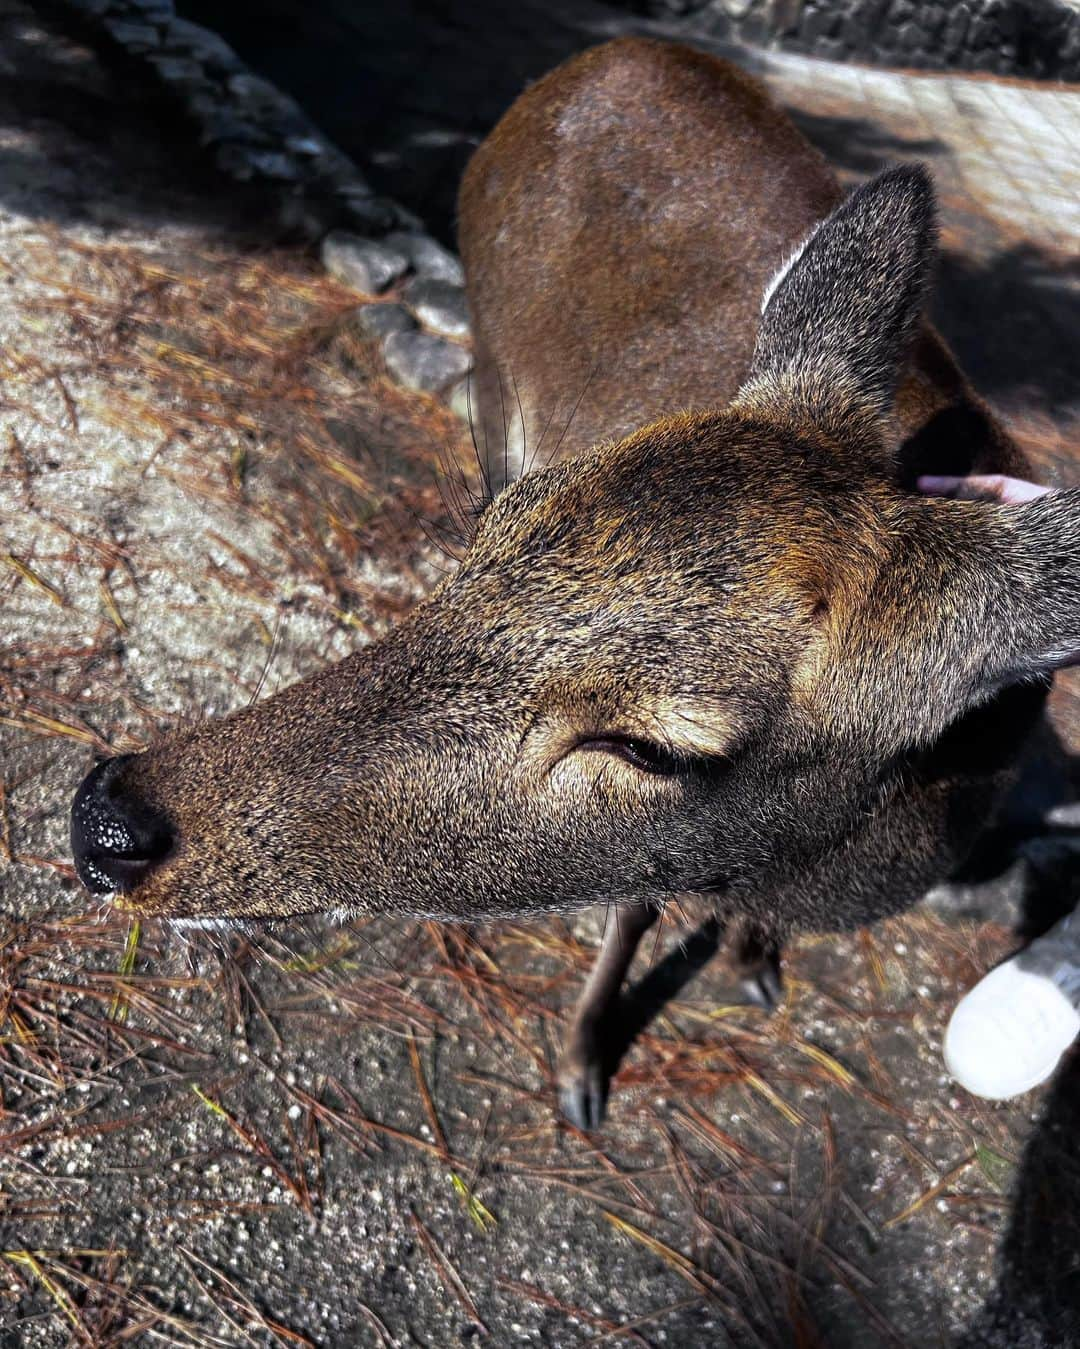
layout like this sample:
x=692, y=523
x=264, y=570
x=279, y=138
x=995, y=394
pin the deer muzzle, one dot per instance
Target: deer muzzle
x=117, y=840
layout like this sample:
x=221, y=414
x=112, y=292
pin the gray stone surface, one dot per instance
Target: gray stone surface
x=209, y=49
x=137, y=36
x=380, y=320
x=1039, y=38
x=427, y=256
x=363, y=264
x=179, y=70
x=439, y=305
x=425, y=362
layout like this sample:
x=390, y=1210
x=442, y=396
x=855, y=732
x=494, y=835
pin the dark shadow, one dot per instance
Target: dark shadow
x=1033, y=900
x=409, y=90
x=1037, y=1297
x=1012, y=322
x=67, y=108
x=858, y=146
x=1012, y=728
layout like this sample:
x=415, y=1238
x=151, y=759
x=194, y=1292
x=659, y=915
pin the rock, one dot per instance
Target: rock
x=219, y=122
x=910, y=37
x=252, y=89
x=425, y=362
x=859, y=26
x=427, y=257
x=1000, y=900
x=439, y=305
x=361, y=263
x=303, y=219
x=157, y=11
x=179, y=70
x=235, y=160
x=274, y=164
x=933, y=20
x=984, y=32
x=214, y=52
x=380, y=320
x=831, y=48
x=816, y=25
x=135, y=36
x=356, y=192
x=462, y=400
x=95, y=8
x=304, y=145
x=956, y=30
x=367, y=213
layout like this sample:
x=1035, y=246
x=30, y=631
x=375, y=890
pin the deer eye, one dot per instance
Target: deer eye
x=645, y=755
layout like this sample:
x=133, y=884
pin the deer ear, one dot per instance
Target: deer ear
x=838, y=317
x=977, y=596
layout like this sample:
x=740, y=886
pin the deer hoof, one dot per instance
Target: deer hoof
x=583, y=1078
x=763, y=986
x=584, y=1101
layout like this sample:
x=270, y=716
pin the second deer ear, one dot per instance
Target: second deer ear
x=838, y=318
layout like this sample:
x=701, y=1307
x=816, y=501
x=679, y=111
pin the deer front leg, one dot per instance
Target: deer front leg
x=585, y=1064
x=757, y=959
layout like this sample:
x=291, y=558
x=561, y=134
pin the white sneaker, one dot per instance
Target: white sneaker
x=1008, y=1033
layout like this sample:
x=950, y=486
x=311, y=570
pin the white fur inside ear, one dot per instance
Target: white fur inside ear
x=784, y=268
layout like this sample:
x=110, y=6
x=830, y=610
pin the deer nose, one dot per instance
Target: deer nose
x=116, y=840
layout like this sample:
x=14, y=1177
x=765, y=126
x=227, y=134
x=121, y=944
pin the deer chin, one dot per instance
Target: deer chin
x=127, y=903
x=217, y=924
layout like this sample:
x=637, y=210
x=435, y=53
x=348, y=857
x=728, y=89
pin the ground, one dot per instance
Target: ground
x=348, y=1135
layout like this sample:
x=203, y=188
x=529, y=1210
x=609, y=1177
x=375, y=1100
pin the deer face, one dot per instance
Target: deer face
x=577, y=716
x=682, y=662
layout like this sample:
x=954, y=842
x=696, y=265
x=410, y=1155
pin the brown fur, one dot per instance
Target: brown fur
x=619, y=227
x=722, y=651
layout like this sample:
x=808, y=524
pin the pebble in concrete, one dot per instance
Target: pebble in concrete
x=425, y=362
x=361, y=263
x=380, y=320
x=439, y=305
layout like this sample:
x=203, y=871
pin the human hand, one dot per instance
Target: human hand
x=983, y=487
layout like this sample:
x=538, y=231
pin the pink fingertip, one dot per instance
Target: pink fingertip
x=936, y=486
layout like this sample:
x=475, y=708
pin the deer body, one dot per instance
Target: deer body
x=619, y=229
x=718, y=645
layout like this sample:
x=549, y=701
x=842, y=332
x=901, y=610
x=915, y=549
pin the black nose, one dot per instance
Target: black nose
x=115, y=838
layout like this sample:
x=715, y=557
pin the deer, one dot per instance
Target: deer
x=709, y=640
